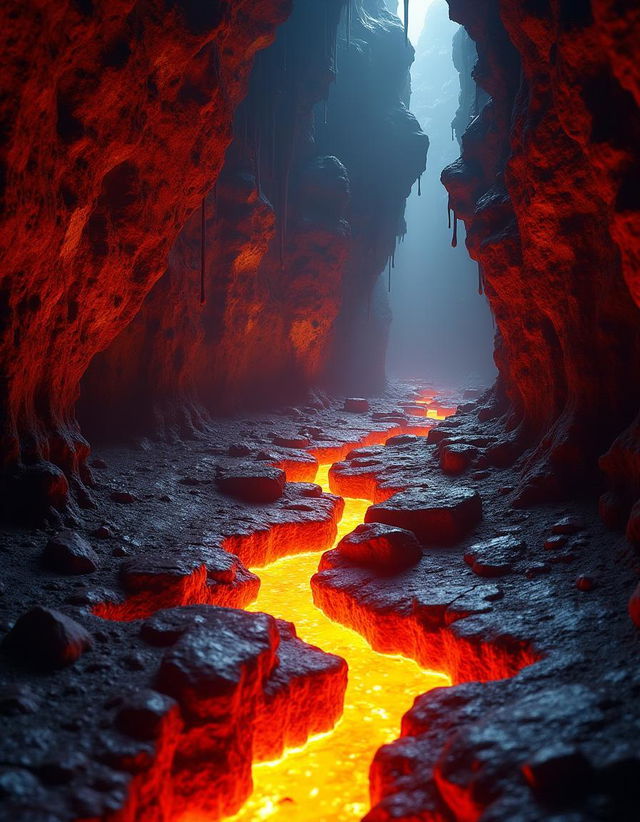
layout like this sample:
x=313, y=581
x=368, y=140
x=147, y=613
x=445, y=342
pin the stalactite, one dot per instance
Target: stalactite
x=326, y=31
x=284, y=170
x=480, y=280
x=274, y=126
x=406, y=21
x=202, y=248
x=257, y=152
x=454, y=239
x=453, y=134
x=348, y=22
x=449, y=212
x=420, y=185
x=389, y=275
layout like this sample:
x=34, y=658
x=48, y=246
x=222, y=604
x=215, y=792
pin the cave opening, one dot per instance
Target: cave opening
x=319, y=477
x=441, y=327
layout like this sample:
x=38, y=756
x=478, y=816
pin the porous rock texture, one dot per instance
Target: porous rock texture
x=254, y=324
x=116, y=120
x=547, y=188
x=296, y=233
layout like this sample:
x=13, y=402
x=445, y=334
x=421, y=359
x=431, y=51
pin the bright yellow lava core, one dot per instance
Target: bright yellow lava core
x=328, y=779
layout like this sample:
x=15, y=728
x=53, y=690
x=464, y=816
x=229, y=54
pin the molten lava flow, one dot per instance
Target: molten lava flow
x=434, y=411
x=328, y=779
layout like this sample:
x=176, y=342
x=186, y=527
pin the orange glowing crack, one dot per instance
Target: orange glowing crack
x=328, y=779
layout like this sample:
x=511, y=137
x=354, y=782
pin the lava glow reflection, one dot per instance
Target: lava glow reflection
x=328, y=779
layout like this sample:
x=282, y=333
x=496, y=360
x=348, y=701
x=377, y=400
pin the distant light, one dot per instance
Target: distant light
x=417, y=13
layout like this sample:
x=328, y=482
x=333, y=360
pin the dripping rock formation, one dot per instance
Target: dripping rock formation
x=297, y=230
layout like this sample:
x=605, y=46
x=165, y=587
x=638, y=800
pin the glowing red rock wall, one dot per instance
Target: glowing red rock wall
x=548, y=188
x=115, y=123
x=300, y=225
x=275, y=244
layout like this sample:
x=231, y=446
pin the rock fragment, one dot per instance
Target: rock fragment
x=46, y=639
x=585, y=583
x=455, y=458
x=253, y=483
x=68, y=553
x=356, y=405
x=384, y=547
x=442, y=515
x=494, y=557
x=567, y=525
x=123, y=497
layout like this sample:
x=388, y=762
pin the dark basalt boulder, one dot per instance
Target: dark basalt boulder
x=253, y=483
x=441, y=515
x=356, y=405
x=402, y=439
x=384, y=547
x=568, y=525
x=162, y=571
x=68, y=553
x=455, y=458
x=494, y=557
x=46, y=639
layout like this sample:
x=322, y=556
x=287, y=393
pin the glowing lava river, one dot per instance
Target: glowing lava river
x=328, y=779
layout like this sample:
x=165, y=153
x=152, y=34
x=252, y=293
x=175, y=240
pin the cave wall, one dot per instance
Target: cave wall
x=546, y=186
x=472, y=98
x=371, y=129
x=296, y=234
x=116, y=118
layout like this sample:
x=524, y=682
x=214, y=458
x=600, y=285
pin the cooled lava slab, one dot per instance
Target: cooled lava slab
x=182, y=704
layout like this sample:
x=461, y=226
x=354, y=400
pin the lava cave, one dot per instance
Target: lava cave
x=320, y=445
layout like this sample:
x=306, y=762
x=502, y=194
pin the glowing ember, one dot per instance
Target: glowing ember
x=328, y=779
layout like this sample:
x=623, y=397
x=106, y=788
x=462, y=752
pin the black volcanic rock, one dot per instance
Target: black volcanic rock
x=494, y=557
x=68, y=553
x=384, y=547
x=253, y=483
x=455, y=458
x=46, y=639
x=441, y=514
x=356, y=405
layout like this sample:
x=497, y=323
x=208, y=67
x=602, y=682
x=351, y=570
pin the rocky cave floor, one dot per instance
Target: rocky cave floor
x=113, y=710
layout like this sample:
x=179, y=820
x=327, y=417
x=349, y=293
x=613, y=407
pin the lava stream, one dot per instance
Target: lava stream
x=328, y=779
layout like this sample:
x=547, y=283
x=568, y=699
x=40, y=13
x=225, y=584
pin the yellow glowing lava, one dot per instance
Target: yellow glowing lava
x=328, y=779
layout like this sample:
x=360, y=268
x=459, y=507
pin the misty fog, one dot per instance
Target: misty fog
x=442, y=328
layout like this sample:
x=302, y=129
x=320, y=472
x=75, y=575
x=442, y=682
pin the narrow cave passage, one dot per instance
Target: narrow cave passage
x=441, y=327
